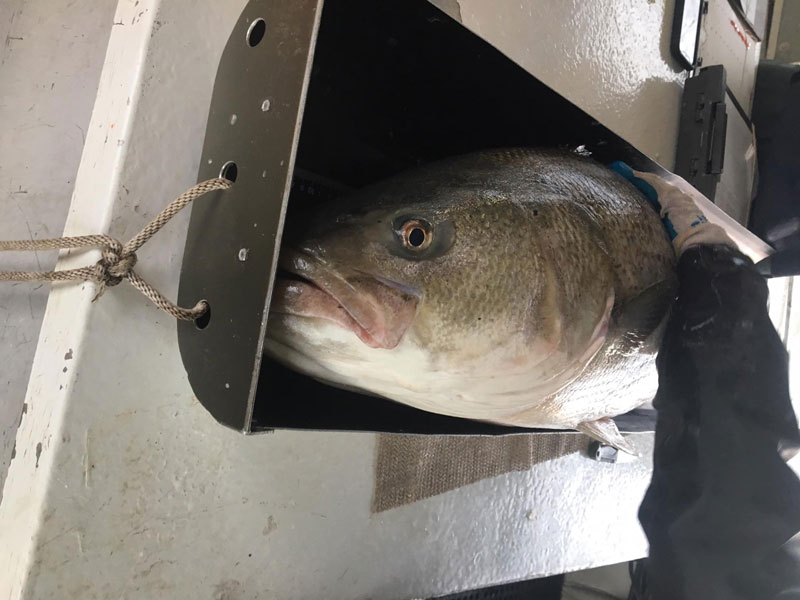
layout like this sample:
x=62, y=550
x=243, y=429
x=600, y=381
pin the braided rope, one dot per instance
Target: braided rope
x=117, y=260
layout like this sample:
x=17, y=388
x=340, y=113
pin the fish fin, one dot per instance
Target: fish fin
x=643, y=314
x=605, y=430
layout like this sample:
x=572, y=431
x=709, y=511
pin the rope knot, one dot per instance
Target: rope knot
x=117, y=261
x=114, y=266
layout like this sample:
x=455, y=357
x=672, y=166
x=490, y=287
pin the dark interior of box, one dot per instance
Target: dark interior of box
x=394, y=85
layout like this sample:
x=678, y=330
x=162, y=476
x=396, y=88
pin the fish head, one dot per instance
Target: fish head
x=370, y=267
x=455, y=270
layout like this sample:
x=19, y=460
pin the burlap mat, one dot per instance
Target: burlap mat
x=413, y=467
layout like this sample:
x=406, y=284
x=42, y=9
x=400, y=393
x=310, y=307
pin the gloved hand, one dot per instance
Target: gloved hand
x=686, y=223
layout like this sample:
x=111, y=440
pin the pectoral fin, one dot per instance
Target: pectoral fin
x=639, y=317
x=605, y=430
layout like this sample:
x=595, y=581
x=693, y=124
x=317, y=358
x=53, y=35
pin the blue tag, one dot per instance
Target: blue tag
x=648, y=190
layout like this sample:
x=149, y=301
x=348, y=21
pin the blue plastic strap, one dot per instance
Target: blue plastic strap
x=648, y=190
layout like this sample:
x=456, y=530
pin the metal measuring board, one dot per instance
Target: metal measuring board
x=379, y=100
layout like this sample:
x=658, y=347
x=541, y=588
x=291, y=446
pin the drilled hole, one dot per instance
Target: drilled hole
x=203, y=320
x=229, y=171
x=255, y=32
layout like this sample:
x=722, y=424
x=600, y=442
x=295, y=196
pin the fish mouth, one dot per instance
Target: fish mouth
x=376, y=309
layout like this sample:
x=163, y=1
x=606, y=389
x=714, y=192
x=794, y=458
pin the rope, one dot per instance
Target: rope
x=117, y=260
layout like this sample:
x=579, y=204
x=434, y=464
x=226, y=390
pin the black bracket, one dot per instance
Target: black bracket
x=703, y=127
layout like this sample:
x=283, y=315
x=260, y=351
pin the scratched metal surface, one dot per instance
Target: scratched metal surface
x=725, y=40
x=610, y=58
x=123, y=486
x=51, y=54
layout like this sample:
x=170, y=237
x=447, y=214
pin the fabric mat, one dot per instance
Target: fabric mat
x=413, y=467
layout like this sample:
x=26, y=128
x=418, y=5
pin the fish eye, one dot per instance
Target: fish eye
x=416, y=234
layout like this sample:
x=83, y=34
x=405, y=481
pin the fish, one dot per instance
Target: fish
x=521, y=287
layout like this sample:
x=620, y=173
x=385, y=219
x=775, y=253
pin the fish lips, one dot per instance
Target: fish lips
x=376, y=309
